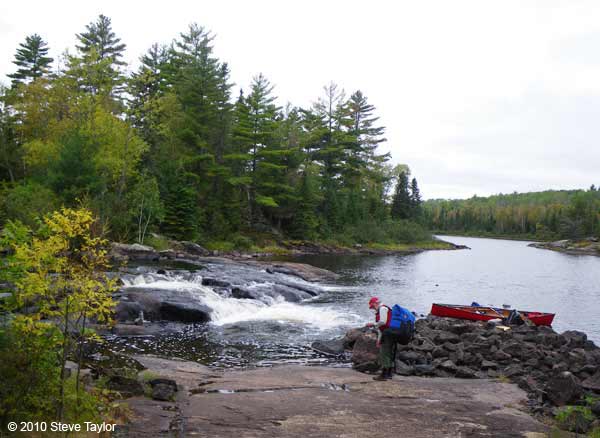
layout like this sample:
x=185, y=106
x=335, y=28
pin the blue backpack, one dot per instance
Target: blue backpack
x=400, y=317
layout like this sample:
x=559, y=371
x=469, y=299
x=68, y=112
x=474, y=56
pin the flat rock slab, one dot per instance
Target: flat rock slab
x=302, y=401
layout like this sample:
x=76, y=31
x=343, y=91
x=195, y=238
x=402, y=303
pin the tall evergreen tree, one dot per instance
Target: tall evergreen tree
x=100, y=37
x=401, y=201
x=365, y=137
x=98, y=69
x=415, y=198
x=31, y=59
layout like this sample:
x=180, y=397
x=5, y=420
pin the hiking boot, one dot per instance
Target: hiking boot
x=390, y=374
x=382, y=376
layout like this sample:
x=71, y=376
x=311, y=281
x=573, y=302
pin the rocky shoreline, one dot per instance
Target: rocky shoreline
x=588, y=246
x=554, y=369
x=183, y=250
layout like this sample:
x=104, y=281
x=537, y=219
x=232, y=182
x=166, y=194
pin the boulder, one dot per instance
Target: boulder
x=162, y=305
x=126, y=386
x=162, y=381
x=563, y=389
x=574, y=338
x=404, y=369
x=449, y=366
x=424, y=370
x=332, y=347
x=409, y=357
x=592, y=383
x=465, y=373
x=241, y=293
x=194, y=248
x=501, y=356
x=206, y=281
x=163, y=392
x=365, y=349
x=352, y=335
x=443, y=337
x=123, y=251
x=596, y=408
x=486, y=364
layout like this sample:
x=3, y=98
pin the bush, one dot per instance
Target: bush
x=27, y=202
x=576, y=419
x=242, y=242
x=388, y=232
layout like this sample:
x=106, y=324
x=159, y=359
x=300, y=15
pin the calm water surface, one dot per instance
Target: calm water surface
x=493, y=272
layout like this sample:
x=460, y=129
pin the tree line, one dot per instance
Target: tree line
x=174, y=148
x=545, y=215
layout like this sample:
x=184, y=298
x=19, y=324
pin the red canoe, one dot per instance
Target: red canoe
x=482, y=313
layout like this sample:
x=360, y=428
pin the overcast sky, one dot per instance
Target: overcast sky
x=478, y=97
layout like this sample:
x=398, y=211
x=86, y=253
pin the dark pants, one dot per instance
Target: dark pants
x=389, y=339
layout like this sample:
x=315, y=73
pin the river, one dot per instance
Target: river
x=493, y=271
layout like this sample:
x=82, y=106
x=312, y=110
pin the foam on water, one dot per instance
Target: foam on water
x=227, y=310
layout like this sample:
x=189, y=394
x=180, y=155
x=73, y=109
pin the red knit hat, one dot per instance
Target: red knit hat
x=373, y=302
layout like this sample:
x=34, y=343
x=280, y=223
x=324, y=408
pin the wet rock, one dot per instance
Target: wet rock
x=162, y=305
x=240, y=293
x=206, y=281
x=333, y=347
x=563, y=389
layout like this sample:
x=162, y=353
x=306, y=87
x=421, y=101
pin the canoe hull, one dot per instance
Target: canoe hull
x=486, y=313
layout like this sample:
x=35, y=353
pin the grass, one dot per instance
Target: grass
x=434, y=244
x=159, y=243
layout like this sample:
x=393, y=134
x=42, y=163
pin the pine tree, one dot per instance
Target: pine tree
x=401, y=201
x=97, y=70
x=145, y=86
x=415, y=198
x=101, y=38
x=262, y=119
x=31, y=59
x=365, y=137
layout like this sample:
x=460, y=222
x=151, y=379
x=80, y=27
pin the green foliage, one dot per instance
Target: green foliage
x=575, y=418
x=27, y=203
x=58, y=272
x=242, y=242
x=544, y=215
x=180, y=157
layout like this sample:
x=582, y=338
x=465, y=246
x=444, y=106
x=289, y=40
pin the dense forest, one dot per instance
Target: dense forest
x=544, y=215
x=174, y=148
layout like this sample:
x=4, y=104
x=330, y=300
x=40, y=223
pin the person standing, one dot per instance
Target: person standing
x=390, y=331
